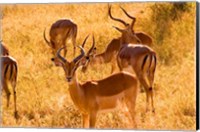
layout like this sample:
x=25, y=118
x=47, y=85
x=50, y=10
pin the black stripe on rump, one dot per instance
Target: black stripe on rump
x=144, y=61
x=11, y=71
x=6, y=70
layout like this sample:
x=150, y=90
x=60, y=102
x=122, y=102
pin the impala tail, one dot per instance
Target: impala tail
x=149, y=63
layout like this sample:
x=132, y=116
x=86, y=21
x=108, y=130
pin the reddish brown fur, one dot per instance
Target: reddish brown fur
x=61, y=31
x=4, y=49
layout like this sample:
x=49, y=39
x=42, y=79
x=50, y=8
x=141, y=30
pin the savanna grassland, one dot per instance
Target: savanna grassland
x=43, y=99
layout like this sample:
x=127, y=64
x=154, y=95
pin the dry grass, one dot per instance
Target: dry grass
x=43, y=98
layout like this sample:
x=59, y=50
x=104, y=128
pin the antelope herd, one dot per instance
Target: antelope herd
x=131, y=49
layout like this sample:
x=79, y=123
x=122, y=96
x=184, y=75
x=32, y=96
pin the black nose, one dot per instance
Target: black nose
x=52, y=59
x=87, y=57
x=69, y=79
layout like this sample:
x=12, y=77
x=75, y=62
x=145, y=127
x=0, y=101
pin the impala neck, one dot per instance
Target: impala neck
x=100, y=58
x=77, y=93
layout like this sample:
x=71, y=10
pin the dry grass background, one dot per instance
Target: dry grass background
x=43, y=98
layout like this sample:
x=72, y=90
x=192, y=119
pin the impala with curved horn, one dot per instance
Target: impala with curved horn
x=128, y=34
x=110, y=53
x=60, y=32
x=92, y=97
x=141, y=58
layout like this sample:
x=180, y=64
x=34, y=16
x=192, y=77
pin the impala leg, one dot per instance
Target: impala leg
x=5, y=87
x=74, y=45
x=147, y=90
x=74, y=39
x=15, y=100
x=119, y=63
x=152, y=102
x=147, y=99
x=93, y=116
x=65, y=51
x=86, y=120
x=151, y=80
x=131, y=109
x=112, y=67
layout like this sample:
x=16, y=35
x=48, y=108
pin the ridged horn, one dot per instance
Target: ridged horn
x=93, y=45
x=80, y=56
x=44, y=35
x=59, y=56
x=116, y=19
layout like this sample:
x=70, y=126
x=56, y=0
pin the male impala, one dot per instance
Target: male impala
x=110, y=53
x=9, y=74
x=141, y=58
x=60, y=32
x=92, y=97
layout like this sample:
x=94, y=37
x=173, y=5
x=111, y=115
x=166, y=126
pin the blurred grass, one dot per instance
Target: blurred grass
x=43, y=98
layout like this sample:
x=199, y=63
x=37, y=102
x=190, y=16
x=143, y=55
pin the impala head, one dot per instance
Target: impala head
x=70, y=67
x=52, y=45
x=128, y=34
x=89, y=56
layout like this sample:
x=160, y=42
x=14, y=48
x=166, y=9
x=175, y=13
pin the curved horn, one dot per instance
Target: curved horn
x=93, y=44
x=132, y=24
x=46, y=38
x=80, y=56
x=118, y=29
x=134, y=19
x=116, y=19
x=127, y=14
x=59, y=56
x=85, y=41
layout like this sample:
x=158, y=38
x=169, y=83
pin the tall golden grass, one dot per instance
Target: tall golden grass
x=42, y=92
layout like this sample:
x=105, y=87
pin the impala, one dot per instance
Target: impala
x=93, y=96
x=9, y=74
x=141, y=58
x=60, y=32
x=110, y=53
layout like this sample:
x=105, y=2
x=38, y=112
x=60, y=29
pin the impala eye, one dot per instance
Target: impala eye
x=95, y=48
x=52, y=59
x=87, y=57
